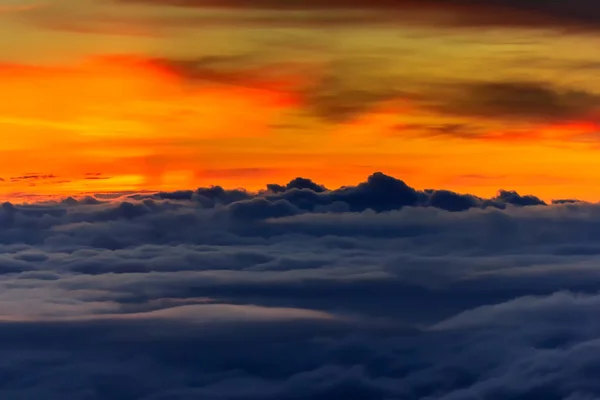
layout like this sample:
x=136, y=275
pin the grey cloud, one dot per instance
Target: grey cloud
x=336, y=96
x=377, y=291
x=313, y=15
x=338, y=101
x=519, y=100
x=583, y=14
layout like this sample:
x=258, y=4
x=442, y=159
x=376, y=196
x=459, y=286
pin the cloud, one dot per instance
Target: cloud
x=519, y=100
x=13, y=7
x=379, y=192
x=583, y=14
x=33, y=177
x=374, y=291
x=327, y=93
x=113, y=21
x=127, y=18
x=327, y=90
x=332, y=93
x=335, y=94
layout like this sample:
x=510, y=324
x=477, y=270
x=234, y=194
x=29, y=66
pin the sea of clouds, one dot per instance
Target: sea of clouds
x=377, y=291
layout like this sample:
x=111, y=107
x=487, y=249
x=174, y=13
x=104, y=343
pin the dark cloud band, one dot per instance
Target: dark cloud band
x=575, y=14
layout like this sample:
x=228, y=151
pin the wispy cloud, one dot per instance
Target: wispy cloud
x=12, y=7
x=583, y=14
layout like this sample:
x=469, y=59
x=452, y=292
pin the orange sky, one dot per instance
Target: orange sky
x=144, y=99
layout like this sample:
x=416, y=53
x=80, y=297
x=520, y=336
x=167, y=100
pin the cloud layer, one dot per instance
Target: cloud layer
x=582, y=14
x=377, y=291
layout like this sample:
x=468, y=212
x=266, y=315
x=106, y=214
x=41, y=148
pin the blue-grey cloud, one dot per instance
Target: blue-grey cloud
x=374, y=291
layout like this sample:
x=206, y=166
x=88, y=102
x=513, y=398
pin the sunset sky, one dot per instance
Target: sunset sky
x=300, y=199
x=130, y=95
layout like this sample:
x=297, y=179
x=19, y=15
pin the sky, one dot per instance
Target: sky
x=299, y=200
x=130, y=95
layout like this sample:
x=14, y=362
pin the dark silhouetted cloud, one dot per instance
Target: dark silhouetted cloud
x=32, y=177
x=379, y=193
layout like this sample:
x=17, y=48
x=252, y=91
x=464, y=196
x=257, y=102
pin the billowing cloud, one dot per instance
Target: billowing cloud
x=375, y=291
